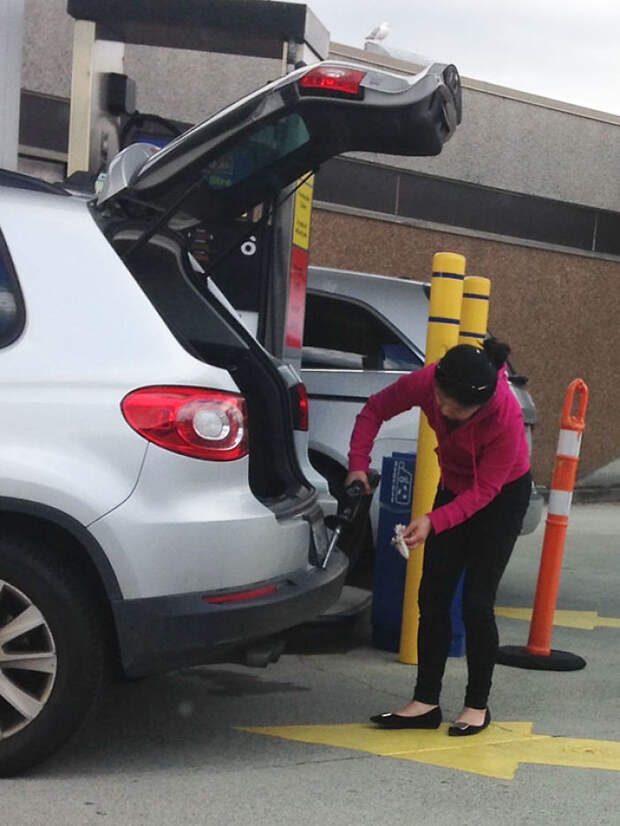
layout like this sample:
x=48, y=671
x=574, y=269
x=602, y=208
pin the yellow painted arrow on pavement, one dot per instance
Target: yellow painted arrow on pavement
x=495, y=752
x=586, y=620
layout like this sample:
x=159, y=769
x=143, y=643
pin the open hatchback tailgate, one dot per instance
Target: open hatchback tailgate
x=248, y=152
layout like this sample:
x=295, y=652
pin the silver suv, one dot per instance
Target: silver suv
x=155, y=506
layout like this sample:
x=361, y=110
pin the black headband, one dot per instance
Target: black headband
x=441, y=374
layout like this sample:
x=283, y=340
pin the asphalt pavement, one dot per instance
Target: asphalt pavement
x=291, y=744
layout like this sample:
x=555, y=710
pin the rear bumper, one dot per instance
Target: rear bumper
x=163, y=633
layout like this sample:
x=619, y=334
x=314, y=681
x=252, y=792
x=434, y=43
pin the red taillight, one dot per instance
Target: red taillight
x=205, y=424
x=302, y=418
x=334, y=79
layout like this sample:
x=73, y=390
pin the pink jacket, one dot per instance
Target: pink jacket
x=477, y=458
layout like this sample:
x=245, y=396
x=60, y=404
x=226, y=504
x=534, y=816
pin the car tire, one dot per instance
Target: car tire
x=45, y=610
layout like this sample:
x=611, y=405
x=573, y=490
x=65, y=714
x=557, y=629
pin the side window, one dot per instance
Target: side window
x=11, y=302
x=341, y=334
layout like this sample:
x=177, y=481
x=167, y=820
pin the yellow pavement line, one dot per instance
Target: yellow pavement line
x=495, y=752
x=586, y=620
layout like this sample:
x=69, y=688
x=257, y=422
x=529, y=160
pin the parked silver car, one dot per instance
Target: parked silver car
x=361, y=333
x=155, y=509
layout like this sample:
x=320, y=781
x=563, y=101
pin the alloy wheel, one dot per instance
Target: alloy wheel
x=28, y=660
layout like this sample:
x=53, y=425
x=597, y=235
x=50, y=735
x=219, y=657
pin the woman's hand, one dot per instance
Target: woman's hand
x=416, y=533
x=354, y=475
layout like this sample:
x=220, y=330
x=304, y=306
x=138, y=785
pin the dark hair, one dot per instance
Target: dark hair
x=468, y=374
x=497, y=351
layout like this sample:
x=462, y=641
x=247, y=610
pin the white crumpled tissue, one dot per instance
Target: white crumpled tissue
x=398, y=542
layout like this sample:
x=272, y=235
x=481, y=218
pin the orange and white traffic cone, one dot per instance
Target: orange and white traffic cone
x=538, y=654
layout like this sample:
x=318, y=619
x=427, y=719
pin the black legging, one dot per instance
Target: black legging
x=482, y=545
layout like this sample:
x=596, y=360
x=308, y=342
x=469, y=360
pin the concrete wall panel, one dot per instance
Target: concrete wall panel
x=48, y=48
x=11, y=34
x=190, y=86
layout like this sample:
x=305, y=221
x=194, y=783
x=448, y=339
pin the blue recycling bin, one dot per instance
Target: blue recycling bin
x=395, y=497
x=388, y=585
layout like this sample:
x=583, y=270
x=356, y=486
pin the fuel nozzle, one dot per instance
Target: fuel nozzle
x=349, y=504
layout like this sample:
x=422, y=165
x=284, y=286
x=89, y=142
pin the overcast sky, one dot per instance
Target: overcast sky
x=564, y=49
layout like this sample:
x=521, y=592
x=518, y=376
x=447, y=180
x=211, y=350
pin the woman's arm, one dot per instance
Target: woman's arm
x=409, y=391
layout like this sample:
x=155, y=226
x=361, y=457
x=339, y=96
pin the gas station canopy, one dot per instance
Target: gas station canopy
x=244, y=27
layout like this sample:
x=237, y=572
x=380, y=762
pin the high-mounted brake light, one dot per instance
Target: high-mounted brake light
x=204, y=424
x=333, y=80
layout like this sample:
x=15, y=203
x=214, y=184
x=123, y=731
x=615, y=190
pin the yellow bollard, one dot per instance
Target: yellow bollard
x=474, y=310
x=443, y=330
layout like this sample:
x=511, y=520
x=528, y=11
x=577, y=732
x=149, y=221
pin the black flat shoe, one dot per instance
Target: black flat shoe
x=465, y=729
x=432, y=719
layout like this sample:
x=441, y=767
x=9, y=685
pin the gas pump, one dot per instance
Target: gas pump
x=284, y=308
x=298, y=270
